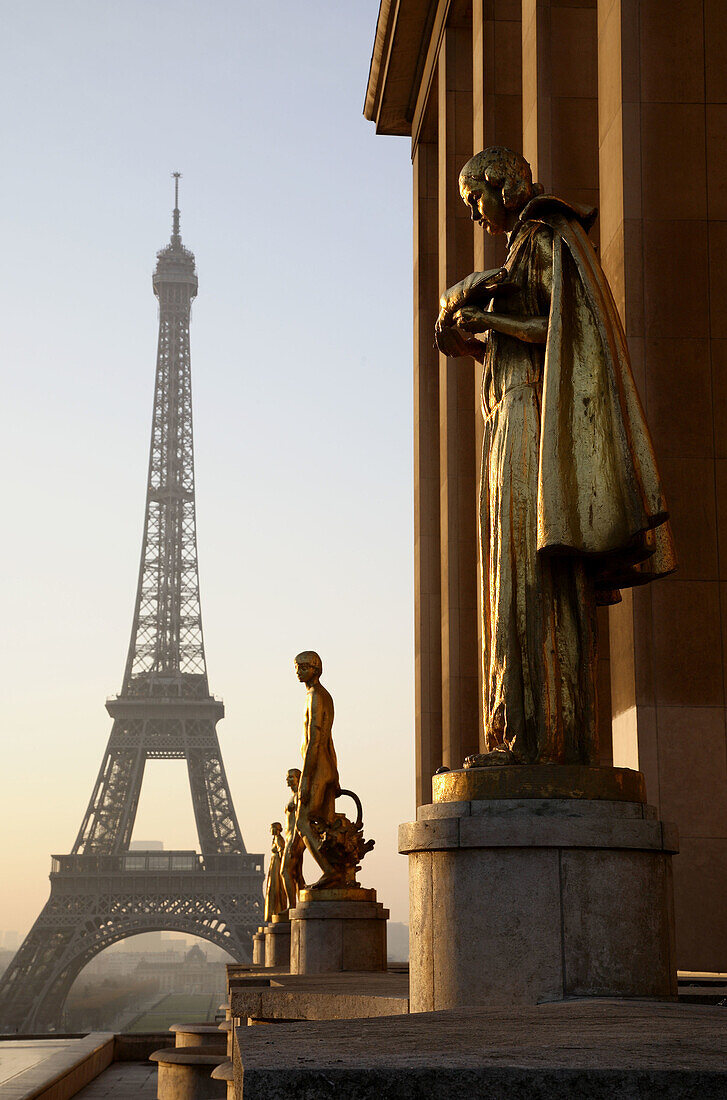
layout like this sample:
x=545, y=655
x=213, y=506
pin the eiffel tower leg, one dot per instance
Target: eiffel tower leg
x=96, y=901
x=128, y=816
x=31, y=971
x=217, y=827
x=109, y=819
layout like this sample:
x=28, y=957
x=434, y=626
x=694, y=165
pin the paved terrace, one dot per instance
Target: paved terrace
x=123, y=1081
x=33, y=1066
x=600, y=1050
x=95, y=1065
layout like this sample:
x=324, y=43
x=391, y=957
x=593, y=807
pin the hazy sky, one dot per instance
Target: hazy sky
x=300, y=220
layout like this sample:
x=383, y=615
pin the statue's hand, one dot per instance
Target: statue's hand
x=473, y=319
x=444, y=321
x=452, y=298
x=480, y=285
x=456, y=343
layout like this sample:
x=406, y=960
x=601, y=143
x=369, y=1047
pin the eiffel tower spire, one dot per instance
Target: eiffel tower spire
x=166, y=653
x=176, y=239
x=101, y=892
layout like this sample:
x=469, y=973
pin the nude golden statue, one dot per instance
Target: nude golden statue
x=318, y=787
x=336, y=843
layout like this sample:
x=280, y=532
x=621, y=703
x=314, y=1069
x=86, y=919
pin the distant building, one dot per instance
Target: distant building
x=194, y=974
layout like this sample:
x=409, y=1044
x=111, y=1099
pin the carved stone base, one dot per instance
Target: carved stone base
x=258, y=947
x=277, y=941
x=523, y=900
x=200, y=1035
x=334, y=930
x=185, y=1073
x=539, y=781
x=224, y=1073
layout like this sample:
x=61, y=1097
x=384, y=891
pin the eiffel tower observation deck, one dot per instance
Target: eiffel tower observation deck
x=102, y=892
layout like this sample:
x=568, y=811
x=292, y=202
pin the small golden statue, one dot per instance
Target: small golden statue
x=275, y=897
x=336, y=844
x=292, y=869
x=571, y=504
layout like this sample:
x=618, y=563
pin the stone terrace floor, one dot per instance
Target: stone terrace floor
x=123, y=1081
x=21, y=1055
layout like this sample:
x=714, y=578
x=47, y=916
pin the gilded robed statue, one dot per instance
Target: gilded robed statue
x=571, y=504
x=275, y=896
x=292, y=866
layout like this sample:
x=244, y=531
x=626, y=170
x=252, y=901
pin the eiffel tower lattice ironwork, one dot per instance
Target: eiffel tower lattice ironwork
x=103, y=892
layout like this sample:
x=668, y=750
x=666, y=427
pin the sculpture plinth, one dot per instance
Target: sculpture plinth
x=258, y=947
x=277, y=941
x=539, y=781
x=337, y=929
x=524, y=899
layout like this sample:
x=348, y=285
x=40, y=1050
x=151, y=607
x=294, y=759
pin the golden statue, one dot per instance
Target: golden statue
x=292, y=868
x=571, y=504
x=336, y=844
x=275, y=897
x=318, y=785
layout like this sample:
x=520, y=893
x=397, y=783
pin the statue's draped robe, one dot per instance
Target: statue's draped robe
x=275, y=897
x=571, y=506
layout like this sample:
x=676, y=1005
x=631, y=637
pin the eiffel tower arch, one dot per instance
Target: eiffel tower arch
x=102, y=892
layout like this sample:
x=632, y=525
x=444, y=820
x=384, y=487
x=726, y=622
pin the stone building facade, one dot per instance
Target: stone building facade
x=621, y=104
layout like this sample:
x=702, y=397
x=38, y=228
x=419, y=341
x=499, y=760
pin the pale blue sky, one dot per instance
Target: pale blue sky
x=300, y=220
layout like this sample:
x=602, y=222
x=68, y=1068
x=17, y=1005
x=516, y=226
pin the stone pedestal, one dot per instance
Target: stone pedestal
x=202, y=1034
x=258, y=947
x=277, y=941
x=337, y=929
x=520, y=900
x=185, y=1073
x=223, y=1072
x=226, y=1028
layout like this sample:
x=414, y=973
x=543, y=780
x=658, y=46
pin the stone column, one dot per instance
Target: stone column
x=560, y=140
x=560, y=96
x=497, y=119
x=663, y=182
x=427, y=578
x=458, y=505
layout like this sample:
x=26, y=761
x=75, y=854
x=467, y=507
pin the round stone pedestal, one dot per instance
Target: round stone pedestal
x=277, y=941
x=199, y=1035
x=519, y=900
x=337, y=929
x=223, y=1072
x=226, y=1028
x=185, y=1073
x=258, y=947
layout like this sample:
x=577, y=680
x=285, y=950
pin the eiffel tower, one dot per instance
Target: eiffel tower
x=103, y=892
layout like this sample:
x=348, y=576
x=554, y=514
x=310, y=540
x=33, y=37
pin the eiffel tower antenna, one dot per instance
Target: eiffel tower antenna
x=175, y=217
x=102, y=892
